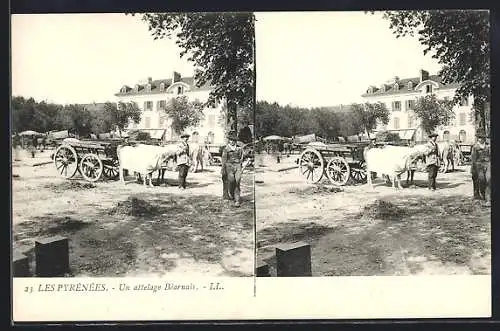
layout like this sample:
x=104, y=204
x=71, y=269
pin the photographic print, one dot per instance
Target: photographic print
x=372, y=151
x=132, y=145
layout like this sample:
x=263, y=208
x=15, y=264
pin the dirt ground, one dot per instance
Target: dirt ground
x=356, y=231
x=132, y=230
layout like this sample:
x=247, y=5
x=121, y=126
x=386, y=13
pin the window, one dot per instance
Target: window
x=462, y=119
x=462, y=135
x=162, y=87
x=123, y=90
x=410, y=85
x=148, y=105
x=446, y=135
x=179, y=90
x=464, y=102
x=428, y=88
x=147, y=122
x=148, y=88
x=396, y=86
x=396, y=105
x=210, y=137
x=410, y=104
x=382, y=88
x=396, y=123
x=211, y=121
x=411, y=121
x=161, y=104
x=137, y=87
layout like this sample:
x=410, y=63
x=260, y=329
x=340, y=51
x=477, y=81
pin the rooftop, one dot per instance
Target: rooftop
x=404, y=85
x=142, y=88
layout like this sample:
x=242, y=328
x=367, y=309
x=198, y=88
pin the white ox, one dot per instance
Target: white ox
x=143, y=159
x=391, y=161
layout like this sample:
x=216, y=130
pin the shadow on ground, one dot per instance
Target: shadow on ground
x=393, y=236
x=147, y=232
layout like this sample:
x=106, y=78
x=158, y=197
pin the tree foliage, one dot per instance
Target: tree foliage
x=221, y=45
x=460, y=40
x=368, y=115
x=28, y=114
x=326, y=122
x=433, y=112
x=183, y=113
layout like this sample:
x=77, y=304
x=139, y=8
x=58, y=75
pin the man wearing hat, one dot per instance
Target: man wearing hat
x=232, y=156
x=480, y=168
x=183, y=160
x=432, y=161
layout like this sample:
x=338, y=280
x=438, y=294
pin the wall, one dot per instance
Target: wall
x=157, y=120
x=404, y=113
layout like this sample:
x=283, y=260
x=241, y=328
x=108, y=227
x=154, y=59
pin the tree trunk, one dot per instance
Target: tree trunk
x=231, y=117
x=479, y=115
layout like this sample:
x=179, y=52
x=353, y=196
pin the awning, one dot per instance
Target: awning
x=304, y=139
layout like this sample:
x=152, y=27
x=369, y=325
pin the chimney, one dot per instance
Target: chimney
x=424, y=75
x=176, y=77
x=150, y=80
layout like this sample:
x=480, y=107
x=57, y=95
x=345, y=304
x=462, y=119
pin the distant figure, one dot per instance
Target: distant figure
x=480, y=169
x=432, y=161
x=183, y=160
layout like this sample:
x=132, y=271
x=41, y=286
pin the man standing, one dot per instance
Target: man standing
x=432, y=161
x=480, y=168
x=232, y=156
x=183, y=160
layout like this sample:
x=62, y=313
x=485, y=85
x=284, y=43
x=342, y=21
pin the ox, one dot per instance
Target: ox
x=391, y=161
x=143, y=159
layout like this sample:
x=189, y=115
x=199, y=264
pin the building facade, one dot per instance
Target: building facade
x=152, y=96
x=400, y=96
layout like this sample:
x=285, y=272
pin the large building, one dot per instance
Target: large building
x=400, y=95
x=152, y=96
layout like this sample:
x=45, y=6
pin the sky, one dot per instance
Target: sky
x=308, y=59
x=84, y=58
x=330, y=58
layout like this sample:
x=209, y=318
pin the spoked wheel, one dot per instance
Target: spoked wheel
x=359, y=173
x=311, y=165
x=111, y=169
x=66, y=161
x=338, y=171
x=91, y=167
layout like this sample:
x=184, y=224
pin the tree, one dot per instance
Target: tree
x=460, y=40
x=433, y=112
x=221, y=45
x=76, y=118
x=183, y=113
x=370, y=114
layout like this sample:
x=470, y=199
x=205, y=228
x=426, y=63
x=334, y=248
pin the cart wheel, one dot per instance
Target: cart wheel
x=338, y=171
x=66, y=161
x=91, y=167
x=359, y=173
x=311, y=165
x=111, y=170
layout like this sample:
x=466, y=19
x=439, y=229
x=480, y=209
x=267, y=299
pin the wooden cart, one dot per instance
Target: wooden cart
x=92, y=159
x=339, y=162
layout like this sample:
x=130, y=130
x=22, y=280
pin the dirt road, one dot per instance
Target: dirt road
x=356, y=231
x=132, y=230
